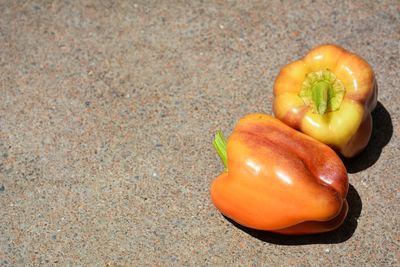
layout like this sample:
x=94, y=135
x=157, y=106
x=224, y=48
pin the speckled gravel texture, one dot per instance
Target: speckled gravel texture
x=108, y=110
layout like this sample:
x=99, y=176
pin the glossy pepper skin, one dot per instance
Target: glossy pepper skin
x=280, y=180
x=345, y=123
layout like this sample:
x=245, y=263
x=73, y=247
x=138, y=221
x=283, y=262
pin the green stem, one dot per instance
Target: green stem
x=322, y=91
x=219, y=144
x=320, y=96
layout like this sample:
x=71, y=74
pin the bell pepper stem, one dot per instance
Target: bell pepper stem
x=320, y=96
x=219, y=144
x=322, y=91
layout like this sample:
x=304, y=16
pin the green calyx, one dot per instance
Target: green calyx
x=220, y=146
x=322, y=91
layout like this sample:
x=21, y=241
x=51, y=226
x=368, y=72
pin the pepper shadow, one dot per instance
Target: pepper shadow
x=341, y=234
x=382, y=132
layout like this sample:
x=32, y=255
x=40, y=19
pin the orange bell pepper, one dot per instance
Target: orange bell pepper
x=329, y=95
x=278, y=179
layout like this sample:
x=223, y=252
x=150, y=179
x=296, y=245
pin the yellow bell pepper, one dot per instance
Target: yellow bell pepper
x=329, y=95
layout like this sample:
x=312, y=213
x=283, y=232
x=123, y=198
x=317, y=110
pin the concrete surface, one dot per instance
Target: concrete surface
x=108, y=109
